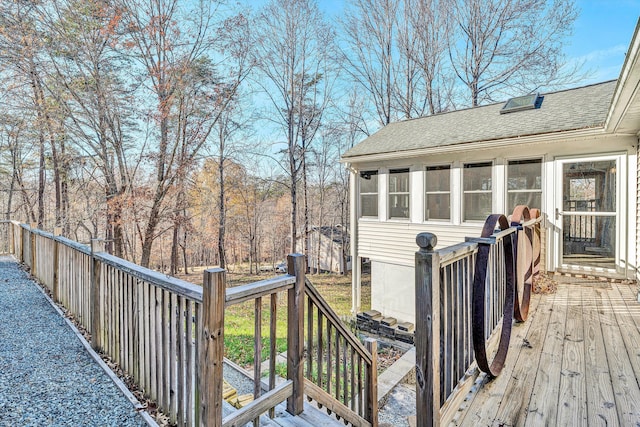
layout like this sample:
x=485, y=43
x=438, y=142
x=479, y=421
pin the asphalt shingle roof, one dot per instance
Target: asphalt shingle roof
x=581, y=108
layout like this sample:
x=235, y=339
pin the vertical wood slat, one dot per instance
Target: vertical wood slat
x=272, y=345
x=257, y=354
x=211, y=348
x=174, y=316
x=181, y=372
x=427, y=331
x=191, y=401
x=159, y=348
x=337, y=365
x=345, y=370
x=309, y=338
x=320, y=347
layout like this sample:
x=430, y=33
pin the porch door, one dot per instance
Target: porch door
x=588, y=214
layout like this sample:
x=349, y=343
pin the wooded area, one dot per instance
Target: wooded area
x=200, y=133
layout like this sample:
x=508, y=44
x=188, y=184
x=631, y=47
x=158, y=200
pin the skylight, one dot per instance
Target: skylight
x=520, y=103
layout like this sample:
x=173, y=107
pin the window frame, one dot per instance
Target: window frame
x=485, y=163
x=539, y=190
x=449, y=167
x=399, y=193
x=376, y=193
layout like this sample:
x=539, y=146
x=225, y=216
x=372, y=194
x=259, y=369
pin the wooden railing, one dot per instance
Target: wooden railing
x=335, y=369
x=466, y=297
x=168, y=334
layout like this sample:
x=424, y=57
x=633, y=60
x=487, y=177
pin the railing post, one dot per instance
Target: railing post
x=12, y=238
x=97, y=245
x=32, y=248
x=295, y=333
x=371, y=383
x=57, y=231
x=211, y=349
x=427, y=332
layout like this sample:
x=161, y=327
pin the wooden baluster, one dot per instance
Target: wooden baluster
x=345, y=371
x=272, y=346
x=320, y=356
x=257, y=354
x=354, y=391
x=309, y=338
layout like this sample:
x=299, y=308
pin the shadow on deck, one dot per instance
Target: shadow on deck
x=575, y=361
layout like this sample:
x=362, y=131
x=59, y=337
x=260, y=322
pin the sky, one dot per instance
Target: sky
x=601, y=36
x=600, y=39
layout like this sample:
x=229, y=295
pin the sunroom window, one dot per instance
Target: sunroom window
x=524, y=183
x=477, y=191
x=437, y=197
x=368, y=181
x=399, y=193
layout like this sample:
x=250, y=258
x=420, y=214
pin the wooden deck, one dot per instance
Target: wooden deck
x=574, y=362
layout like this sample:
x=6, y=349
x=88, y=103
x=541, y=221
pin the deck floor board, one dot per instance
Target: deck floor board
x=576, y=361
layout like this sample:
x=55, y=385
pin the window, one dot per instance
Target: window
x=399, y=193
x=477, y=195
x=524, y=184
x=369, y=193
x=437, y=197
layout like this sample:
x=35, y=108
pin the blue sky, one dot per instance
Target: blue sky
x=601, y=36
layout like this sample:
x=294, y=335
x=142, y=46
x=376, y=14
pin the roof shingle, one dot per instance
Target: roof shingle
x=572, y=109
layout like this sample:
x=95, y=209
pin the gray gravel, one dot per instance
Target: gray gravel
x=46, y=376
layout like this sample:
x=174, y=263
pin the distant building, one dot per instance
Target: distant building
x=329, y=241
x=573, y=154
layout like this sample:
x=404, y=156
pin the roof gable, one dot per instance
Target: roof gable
x=581, y=108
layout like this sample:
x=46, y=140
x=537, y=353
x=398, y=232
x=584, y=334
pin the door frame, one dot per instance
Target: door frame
x=621, y=220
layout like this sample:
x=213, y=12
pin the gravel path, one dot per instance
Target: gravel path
x=46, y=376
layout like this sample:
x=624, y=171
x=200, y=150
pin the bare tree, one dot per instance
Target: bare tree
x=510, y=45
x=292, y=43
x=168, y=38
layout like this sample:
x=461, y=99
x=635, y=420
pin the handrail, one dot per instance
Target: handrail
x=146, y=322
x=467, y=287
x=262, y=288
x=169, y=283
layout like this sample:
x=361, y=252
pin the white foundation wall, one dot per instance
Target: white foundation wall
x=393, y=290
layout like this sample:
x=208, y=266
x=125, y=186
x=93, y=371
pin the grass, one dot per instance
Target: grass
x=240, y=318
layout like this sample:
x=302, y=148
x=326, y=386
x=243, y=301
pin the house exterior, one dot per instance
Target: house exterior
x=572, y=153
x=326, y=249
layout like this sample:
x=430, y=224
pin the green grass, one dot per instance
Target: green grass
x=240, y=318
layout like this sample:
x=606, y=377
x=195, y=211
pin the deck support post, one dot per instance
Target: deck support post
x=427, y=332
x=211, y=349
x=295, y=333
